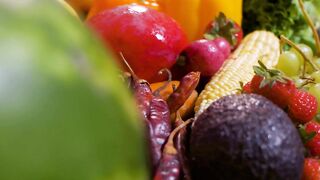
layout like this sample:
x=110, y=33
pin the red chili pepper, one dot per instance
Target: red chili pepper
x=159, y=127
x=156, y=114
x=143, y=96
x=170, y=165
x=187, y=84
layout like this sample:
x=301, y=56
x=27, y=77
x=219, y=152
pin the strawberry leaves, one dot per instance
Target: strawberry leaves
x=222, y=27
x=305, y=136
x=270, y=76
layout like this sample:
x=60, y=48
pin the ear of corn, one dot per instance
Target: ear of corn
x=259, y=45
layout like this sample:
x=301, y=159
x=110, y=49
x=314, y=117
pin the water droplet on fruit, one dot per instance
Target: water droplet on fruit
x=160, y=37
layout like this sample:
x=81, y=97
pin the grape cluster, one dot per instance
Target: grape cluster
x=291, y=63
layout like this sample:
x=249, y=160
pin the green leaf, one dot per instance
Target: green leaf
x=259, y=71
x=283, y=17
x=209, y=36
x=223, y=27
x=262, y=65
x=305, y=136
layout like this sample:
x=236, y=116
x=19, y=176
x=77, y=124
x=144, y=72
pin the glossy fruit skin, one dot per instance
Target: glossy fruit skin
x=311, y=169
x=316, y=76
x=247, y=88
x=279, y=93
x=315, y=91
x=64, y=113
x=206, y=56
x=306, y=50
x=313, y=144
x=148, y=39
x=289, y=63
x=302, y=106
x=223, y=46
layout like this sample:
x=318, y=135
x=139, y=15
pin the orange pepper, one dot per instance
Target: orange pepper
x=192, y=15
x=164, y=93
x=187, y=108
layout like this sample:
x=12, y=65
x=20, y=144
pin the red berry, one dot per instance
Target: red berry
x=313, y=144
x=255, y=83
x=302, y=106
x=279, y=93
x=221, y=26
x=247, y=88
x=148, y=39
x=238, y=34
x=311, y=169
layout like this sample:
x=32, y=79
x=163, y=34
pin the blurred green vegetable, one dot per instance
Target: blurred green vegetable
x=283, y=17
x=64, y=113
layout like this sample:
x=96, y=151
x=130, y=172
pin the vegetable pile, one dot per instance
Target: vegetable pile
x=130, y=89
x=282, y=17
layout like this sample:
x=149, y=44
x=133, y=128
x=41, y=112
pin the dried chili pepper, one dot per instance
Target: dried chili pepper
x=182, y=143
x=187, y=84
x=156, y=114
x=159, y=127
x=143, y=96
x=170, y=165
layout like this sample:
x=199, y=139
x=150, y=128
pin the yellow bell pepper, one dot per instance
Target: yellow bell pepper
x=192, y=15
x=185, y=12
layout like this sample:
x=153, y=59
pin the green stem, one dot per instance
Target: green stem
x=311, y=25
x=282, y=43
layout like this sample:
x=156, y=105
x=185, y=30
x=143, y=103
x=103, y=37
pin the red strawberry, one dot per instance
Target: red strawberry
x=270, y=84
x=247, y=88
x=221, y=26
x=311, y=169
x=312, y=129
x=302, y=106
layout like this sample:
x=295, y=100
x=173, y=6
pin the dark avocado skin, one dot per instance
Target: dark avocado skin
x=245, y=137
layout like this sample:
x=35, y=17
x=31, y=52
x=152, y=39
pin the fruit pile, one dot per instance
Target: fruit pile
x=134, y=89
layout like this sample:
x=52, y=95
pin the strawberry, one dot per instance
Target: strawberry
x=302, y=106
x=270, y=84
x=247, y=88
x=312, y=137
x=224, y=27
x=311, y=169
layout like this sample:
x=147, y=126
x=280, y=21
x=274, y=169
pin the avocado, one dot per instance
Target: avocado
x=245, y=137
